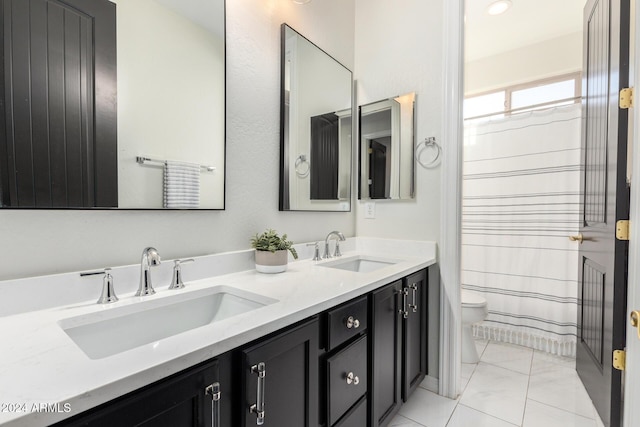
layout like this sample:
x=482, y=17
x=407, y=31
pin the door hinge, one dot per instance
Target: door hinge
x=622, y=229
x=619, y=359
x=626, y=98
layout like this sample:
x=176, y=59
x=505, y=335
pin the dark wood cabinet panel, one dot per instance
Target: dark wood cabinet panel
x=290, y=383
x=414, y=333
x=356, y=417
x=346, y=378
x=180, y=400
x=385, y=353
x=346, y=321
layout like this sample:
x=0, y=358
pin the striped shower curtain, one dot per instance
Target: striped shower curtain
x=520, y=203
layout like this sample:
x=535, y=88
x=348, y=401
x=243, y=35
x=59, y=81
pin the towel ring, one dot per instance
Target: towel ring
x=429, y=144
x=301, y=170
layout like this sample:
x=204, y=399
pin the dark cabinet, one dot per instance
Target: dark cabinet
x=345, y=372
x=398, y=349
x=280, y=378
x=385, y=350
x=346, y=378
x=414, y=331
x=195, y=397
x=356, y=417
x=346, y=321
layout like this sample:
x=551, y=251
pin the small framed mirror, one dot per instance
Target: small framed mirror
x=315, y=128
x=386, y=149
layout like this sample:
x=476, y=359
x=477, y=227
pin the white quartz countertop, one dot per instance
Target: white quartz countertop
x=45, y=377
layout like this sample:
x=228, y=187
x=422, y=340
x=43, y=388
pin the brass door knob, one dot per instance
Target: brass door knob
x=579, y=238
x=635, y=320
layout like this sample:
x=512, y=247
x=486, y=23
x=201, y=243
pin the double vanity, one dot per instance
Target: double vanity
x=326, y=343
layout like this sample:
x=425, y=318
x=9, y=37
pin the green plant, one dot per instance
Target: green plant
x=270, y=241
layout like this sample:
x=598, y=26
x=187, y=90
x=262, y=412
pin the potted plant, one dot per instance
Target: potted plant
x=271, y=251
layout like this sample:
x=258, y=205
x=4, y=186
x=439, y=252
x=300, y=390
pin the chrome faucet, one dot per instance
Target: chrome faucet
x=336, y=253
x=150, y=258
x=108, y=295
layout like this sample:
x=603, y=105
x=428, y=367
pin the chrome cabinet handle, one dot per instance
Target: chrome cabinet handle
x=352, y=323
x=352, y=379
x=403, y=310
x=414, y=306
x=214, y=391
x=258, y=407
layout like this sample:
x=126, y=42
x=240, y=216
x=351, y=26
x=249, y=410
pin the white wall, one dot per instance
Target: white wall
x=36, y=242
x=399, y=50
x=550, y=58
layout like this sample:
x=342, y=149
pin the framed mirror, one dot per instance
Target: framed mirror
x=113, y=104
x=316, y=128
x=386, y=149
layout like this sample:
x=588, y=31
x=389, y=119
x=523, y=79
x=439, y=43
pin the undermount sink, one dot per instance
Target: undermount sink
x=118, y=329
x=360, y=263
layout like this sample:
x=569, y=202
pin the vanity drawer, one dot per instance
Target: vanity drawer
x=346, y=378
x=356, y=417
x=346, y=321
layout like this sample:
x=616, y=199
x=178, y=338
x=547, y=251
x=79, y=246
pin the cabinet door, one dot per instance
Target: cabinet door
x=385, y=350
x=280, y=377
x=414, y=333
x=180, y=400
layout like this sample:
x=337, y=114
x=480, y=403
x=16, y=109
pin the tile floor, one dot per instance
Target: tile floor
x=510, y=386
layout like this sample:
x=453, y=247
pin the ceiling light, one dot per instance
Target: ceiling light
x=498, y=7
x=301, y=1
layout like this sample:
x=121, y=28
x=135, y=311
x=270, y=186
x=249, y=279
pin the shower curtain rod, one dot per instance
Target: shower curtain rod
x=528, y=108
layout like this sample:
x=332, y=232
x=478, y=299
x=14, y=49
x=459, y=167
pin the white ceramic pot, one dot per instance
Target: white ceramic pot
x=271, y=262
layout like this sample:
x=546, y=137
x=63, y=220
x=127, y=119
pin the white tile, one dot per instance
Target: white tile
x=481, y=345
x=464, y=416
x=498, y=392
x=467, y=369
x=463, y=385
x=540, y=357
x=541, y=415
x=400, y=421
x=596, y=415
x=428, y=408
x=429, y=383
x=508, y=356
x=560, y=387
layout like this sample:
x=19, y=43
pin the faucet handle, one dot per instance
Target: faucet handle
x=316, y=253
x=336, y=252
x=176, y=281
x=108, y=294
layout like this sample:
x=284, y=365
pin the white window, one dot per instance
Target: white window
x=491, y=103
x=553, y=92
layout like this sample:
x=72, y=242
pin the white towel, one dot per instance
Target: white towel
x=181, y=185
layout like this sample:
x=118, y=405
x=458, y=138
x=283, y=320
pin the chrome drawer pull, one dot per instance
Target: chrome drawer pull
x=258, y=407
x=214, y=391
x=352, y=323
x=414, y=306
x=403, y=310
x=352, y=379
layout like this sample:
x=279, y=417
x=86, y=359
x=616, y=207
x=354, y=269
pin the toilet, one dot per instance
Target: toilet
x=474, y=310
